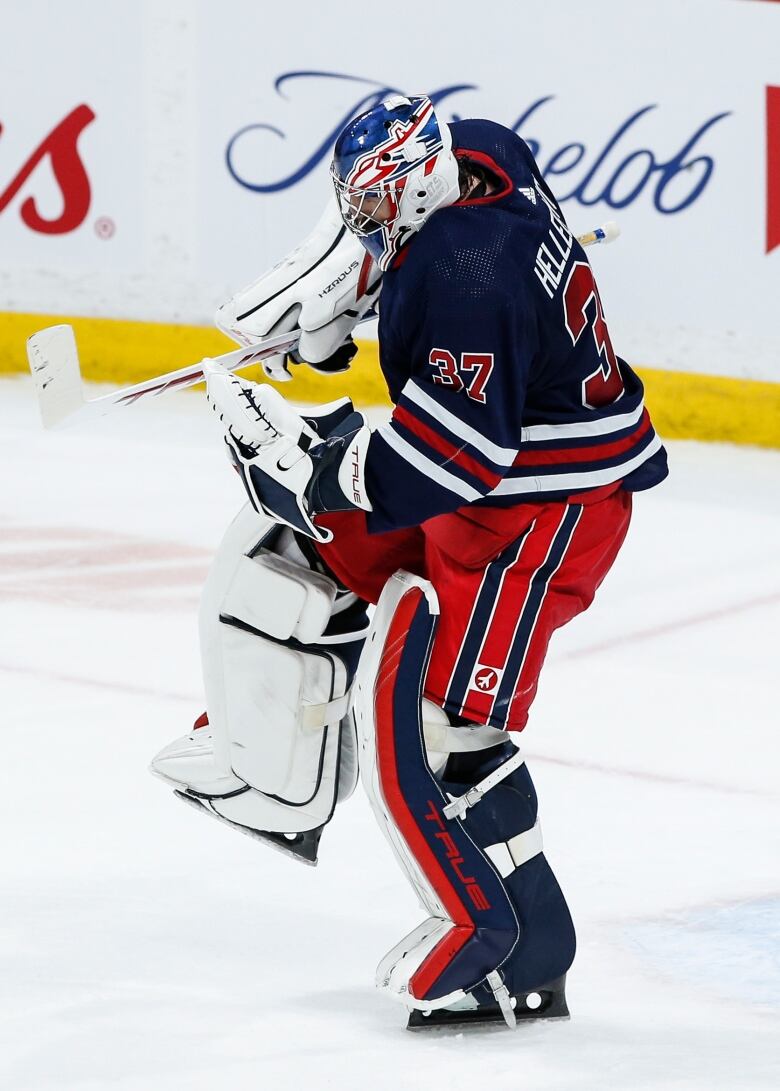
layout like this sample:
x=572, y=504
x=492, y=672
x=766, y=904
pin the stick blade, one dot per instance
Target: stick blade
x=54, y=363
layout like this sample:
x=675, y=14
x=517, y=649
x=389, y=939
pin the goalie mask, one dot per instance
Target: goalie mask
x=393, y=166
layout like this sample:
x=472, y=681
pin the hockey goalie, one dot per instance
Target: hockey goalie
x=483, y=516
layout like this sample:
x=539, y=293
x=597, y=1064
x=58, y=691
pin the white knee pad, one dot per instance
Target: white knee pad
x=442, y=739
x=280, y=748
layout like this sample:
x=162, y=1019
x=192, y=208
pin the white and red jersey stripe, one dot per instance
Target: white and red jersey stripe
x=438, y=461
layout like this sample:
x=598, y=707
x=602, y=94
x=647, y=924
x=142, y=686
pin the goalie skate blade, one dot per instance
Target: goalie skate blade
x=299, y=846
x=548, y=1002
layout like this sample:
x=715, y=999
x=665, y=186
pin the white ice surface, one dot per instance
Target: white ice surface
x=143, y=947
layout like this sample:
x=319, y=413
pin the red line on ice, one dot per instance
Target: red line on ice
x=118, y=687
x=673, y=626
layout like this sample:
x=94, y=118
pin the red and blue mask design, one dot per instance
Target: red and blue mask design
x=392, y=168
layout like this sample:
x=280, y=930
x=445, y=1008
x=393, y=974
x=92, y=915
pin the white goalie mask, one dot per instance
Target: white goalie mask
x=393, y=167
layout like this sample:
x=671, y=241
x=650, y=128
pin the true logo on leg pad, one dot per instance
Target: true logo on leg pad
x=455, y=857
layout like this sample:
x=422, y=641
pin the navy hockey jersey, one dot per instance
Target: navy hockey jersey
x=497, y=357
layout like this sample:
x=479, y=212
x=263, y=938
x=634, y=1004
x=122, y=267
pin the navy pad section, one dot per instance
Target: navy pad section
x=463, y=877
x=547, y=942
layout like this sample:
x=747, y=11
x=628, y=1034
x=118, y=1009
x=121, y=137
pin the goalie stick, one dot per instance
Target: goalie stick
x=54, y=363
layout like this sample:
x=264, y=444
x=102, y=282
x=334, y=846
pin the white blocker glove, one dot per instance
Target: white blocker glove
x=323, y=288
x=293, y=466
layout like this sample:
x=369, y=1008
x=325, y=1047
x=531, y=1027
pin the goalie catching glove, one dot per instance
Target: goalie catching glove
x=323, y=288
x=294, y=464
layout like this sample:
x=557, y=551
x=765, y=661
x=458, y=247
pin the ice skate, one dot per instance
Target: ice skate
x=546, y=1002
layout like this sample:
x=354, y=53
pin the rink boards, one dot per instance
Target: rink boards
x=684, y=405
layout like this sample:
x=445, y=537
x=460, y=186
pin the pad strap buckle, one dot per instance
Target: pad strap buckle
x=503, y=999
x=460, y=804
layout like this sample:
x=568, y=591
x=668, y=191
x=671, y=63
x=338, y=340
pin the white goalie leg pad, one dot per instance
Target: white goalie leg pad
x=280, y=744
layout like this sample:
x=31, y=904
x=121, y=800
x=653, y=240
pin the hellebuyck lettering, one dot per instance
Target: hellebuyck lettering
x=552, y=255
x=617, y=172
x=61, y=147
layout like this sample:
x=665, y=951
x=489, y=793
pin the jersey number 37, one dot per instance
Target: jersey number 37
x=476, y=366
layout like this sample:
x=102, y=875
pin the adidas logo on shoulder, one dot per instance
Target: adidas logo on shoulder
x=528, y=192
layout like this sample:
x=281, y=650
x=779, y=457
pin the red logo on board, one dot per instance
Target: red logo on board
x=772, y=168
x=61, y=149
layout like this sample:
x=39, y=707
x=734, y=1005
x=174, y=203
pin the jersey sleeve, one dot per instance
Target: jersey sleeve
x=455, y=430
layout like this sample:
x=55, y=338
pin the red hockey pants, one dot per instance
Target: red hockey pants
x=506, y=579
